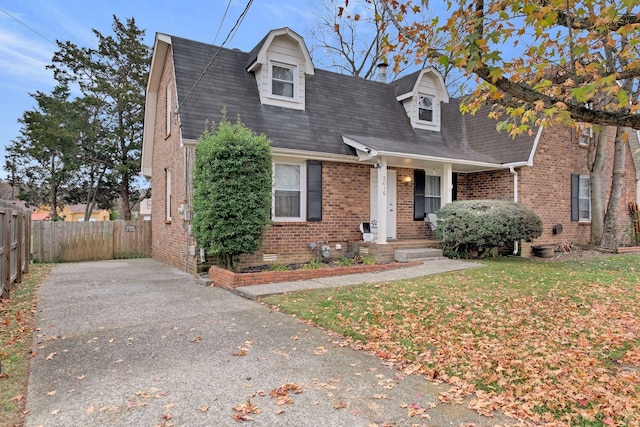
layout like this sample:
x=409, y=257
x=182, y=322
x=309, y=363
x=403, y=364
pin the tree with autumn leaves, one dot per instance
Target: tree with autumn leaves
x=538, y=63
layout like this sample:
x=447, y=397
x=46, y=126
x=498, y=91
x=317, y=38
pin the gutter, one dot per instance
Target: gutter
x=515, y=200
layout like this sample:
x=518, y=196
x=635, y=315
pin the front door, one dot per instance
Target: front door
x=391, y=202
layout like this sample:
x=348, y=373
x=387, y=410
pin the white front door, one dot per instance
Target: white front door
x=391, y=202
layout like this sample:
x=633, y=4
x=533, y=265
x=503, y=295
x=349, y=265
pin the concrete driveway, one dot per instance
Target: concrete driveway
x=139, y=343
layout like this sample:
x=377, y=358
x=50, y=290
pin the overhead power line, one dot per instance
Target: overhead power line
x=229, y=36
x=26, y=26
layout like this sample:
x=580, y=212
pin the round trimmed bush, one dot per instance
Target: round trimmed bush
x=481, y=228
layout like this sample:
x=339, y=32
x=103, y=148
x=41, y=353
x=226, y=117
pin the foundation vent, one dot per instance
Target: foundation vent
x=270, y=257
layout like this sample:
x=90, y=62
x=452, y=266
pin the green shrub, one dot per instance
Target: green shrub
x=312, y=265
x=367, y=259
x=346, y=262
x=231, y=191
x=278, y=267
x=480, y=228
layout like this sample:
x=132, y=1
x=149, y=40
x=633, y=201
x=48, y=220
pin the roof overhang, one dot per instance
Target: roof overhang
x=442, y=89
x=160, y=49
x=261, y=57
x=367, y=153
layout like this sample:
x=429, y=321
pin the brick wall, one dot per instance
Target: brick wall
x=345, y=204
x=546, y=187
x=171, y=239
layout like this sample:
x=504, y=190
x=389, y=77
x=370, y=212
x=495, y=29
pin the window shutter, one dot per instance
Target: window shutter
x=314, y=191
x=575, y=194
x=418, y=195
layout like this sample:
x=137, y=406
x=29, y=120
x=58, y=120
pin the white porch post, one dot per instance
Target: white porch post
x=382, y=201
x=447, y=184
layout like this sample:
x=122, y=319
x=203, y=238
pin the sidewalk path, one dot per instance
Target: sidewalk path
x=138, y=343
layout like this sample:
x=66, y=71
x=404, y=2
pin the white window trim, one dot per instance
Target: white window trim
x=168, y=194
x=580, y=219
x=169, y=101
x=295, y=81
x=433, y=109
x=303, y=192
x=432, y=196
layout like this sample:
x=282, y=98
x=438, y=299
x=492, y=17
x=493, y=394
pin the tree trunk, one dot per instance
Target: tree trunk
x=609, y=238
x=53, y=195
x=599, y=149
x=125, y=196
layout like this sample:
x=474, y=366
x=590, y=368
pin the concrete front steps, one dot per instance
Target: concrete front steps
x=419, y=254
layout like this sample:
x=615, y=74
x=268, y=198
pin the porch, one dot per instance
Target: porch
x=400, y=250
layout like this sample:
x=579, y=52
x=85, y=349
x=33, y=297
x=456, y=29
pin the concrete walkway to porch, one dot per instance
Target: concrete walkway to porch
x=431, y=266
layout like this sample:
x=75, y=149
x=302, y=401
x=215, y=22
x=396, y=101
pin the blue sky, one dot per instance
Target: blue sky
x=24, y=52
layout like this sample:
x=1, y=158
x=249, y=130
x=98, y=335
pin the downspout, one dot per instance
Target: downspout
x=185, y=226
x=515, y=200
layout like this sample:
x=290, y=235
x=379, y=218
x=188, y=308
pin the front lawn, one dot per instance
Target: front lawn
x=555, y=343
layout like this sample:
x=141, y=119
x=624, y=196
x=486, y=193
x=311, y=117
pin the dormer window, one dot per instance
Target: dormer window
x=425, y=108
x=283, y=80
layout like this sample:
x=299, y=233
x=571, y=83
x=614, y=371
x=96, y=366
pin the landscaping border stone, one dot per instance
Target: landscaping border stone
x=230, y=280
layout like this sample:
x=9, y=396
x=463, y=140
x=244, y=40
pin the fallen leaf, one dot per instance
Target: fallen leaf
x=203, y=408
x=17, y=397
x=56, y=412
x=340, y=405
x=51, y=355
x=242, y=411
x=240, y=353
x=91, y=409
x=51, y=393
x=81, y=376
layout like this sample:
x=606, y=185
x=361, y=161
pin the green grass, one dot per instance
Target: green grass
x=508, y=329
x=17, y=320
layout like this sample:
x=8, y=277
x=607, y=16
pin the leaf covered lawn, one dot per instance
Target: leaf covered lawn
x=552, y=343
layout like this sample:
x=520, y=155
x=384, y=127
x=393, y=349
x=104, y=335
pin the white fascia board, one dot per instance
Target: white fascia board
x=313, y=155
x=404, y=96
x=261, y=57
x=441, y=159
x=160, y=49
x=188, y=142
x=535, y=146
x=364, y=152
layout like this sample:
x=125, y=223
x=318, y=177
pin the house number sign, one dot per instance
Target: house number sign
x=131, y=228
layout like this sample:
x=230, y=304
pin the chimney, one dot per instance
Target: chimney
x=382, y=72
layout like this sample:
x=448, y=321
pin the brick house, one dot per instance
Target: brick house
x=347, y=151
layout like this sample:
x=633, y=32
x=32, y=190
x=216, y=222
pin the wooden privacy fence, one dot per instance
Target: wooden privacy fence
x=15, y=229
x=90, y=240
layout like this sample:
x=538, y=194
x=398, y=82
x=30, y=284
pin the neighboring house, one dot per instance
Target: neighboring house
x=347, y=151
x=145, y=209
x=71, y=213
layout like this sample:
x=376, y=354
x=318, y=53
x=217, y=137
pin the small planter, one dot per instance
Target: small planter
x=543, y=251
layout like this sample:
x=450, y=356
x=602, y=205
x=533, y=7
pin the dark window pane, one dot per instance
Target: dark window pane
x=287, y=204
x=282, y=89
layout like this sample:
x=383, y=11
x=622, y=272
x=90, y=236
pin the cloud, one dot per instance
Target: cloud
x=285, y=15
x=78, y=32
x=23, y=57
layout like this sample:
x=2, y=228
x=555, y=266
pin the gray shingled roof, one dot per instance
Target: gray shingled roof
x=336, y=105
x=405, y=84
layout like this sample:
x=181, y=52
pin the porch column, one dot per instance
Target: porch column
x=382, y=201
x=447, y=184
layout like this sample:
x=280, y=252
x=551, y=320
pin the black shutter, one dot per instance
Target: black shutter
x=314, y=191
x=418, y=195
x=575, y=196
